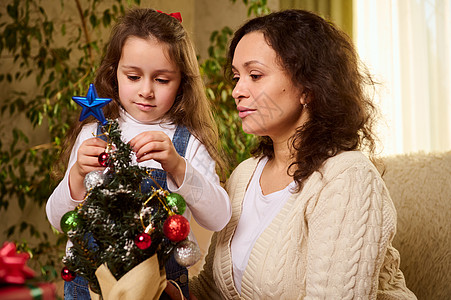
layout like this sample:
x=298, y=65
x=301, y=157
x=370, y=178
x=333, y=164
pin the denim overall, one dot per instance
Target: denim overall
x=78, y=288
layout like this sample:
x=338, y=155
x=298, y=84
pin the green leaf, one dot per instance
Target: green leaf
x=12, y=10
x=10, y=36
x=10, y=231
x=93, y=20
x=106, y=18
x=23, y=225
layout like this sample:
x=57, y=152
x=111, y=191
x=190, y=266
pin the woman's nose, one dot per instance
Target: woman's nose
x=240, y=91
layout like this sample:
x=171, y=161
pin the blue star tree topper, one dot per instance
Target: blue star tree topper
x=92, y=105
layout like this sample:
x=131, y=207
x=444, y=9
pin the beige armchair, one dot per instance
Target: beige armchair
x=420, y=186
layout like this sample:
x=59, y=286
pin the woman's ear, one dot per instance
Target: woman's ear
x=305, y=97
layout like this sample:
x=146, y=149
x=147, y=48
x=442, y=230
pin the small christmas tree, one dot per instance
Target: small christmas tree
x=122, y=221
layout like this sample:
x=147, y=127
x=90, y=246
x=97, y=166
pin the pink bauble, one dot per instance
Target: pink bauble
x=67, y=274
x=103, y=159
x=143, y=241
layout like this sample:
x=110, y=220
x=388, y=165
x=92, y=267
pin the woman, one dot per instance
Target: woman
x=312, y=218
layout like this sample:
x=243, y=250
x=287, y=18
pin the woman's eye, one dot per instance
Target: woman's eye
x=235, y=79
x=133, y=77
x=255, y=77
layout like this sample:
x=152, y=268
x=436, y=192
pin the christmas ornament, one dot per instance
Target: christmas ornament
x=176, y=228
x=13, y=268
x=92, y=105
x=103, y=159
x=115, y=208
x=176, y=203
x=69, y=221
x=187, y=253
x=93, y=179
x=143, y=241
x=67, y=274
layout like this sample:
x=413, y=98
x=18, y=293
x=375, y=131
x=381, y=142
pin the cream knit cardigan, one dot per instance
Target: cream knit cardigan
x=332, y=240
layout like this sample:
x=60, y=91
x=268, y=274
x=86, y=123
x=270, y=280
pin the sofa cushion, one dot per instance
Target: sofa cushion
x=420, y=186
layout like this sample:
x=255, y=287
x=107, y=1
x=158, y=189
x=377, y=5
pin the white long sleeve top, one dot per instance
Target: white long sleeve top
x=206, y=200
x=257, y=213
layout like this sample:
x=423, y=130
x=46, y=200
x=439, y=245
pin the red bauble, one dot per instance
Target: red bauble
x=67, y=274
x=103, y=159
x=143, y=241
x=176, y=228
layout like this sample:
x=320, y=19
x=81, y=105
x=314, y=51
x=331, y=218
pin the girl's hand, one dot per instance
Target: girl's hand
x=87, y=161
x=158, y=146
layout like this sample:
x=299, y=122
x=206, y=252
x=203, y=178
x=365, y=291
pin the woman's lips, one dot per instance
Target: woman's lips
x=244, y=111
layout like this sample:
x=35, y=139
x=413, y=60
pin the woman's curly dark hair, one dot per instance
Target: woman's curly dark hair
x=322, y=62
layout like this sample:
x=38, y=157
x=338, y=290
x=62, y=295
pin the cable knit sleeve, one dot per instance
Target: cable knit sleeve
x=349, y=229
x=203, y=285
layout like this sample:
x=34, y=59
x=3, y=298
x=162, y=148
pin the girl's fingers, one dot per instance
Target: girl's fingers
x=92, y=147
x=89, y=161
x=95, y=142
x=88, y=155
x=147, y=137
x=151, y=147
x=160, y=156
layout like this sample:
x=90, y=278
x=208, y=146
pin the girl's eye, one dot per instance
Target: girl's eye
x=163, y=81
x=133, y=77
x=235, y=79
x=255, y=76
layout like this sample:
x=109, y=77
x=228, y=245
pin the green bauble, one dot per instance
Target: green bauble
x=176, y=203
x=69, y=221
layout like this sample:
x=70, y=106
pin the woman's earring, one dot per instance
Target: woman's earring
x=305, y=105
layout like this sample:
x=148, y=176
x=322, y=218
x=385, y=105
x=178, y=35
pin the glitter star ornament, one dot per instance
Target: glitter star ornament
x=92, y=105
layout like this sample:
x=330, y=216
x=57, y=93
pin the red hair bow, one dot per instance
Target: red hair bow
x=176, y=15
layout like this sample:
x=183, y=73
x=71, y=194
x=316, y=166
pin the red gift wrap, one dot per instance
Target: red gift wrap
x=14, y=273
x=29, y=291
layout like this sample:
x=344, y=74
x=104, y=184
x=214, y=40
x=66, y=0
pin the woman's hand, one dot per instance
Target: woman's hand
x=87, y=161
x=158, y=146
x=173, y=292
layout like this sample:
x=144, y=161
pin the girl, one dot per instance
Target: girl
x=311, y=216
x=151, y=73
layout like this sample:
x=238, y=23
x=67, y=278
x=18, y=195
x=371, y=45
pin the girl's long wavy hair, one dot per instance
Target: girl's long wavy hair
x=191, y=107
x=322, y=61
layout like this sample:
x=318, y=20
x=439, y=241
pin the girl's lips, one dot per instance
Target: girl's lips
x=145, y=107
x=244, y=111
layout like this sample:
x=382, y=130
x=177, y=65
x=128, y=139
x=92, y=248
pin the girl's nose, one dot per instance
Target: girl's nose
x=240, y=91
x=146, y=90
